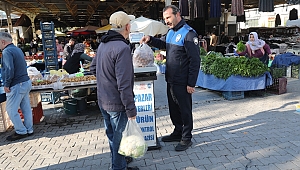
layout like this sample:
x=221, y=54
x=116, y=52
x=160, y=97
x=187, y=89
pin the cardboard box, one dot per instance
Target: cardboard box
x=5, y=122
x=35, y=98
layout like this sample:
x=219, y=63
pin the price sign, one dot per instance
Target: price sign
x=135, y=37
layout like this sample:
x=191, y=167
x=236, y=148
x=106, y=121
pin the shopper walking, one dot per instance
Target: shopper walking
x=182, y=67
x=17, y=86
x=113, y=68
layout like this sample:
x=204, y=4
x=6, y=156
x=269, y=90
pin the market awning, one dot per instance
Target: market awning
x=148, y=26
x=103, y=29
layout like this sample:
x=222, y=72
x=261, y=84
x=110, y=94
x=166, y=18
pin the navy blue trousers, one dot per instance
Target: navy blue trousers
x=180, y=108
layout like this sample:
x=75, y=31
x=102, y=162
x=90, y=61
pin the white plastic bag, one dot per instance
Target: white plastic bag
x=143, y=56
x=133, y=143
x=34, y=74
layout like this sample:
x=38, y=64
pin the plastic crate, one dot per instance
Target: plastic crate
x=49, y=52
x=49, y=44
x=47, y=26
x=278, y=86
x=37, y=113
x=48, y=35
x=50, y=97
x=233, y=95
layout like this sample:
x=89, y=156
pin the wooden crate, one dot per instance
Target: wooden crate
x=5, y=122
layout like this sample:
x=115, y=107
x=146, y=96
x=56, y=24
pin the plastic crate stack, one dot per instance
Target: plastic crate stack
x=49, y=46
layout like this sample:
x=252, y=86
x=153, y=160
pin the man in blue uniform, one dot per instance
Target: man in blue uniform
x=182, y=67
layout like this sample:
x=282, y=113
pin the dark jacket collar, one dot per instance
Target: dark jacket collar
x=179, y=25
x=113, y=36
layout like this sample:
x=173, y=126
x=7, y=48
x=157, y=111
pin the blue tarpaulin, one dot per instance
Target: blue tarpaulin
x=233, y=83
x=286, y=59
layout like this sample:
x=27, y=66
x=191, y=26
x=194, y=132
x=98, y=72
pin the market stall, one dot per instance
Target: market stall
x=232, y=74
x=143, y=90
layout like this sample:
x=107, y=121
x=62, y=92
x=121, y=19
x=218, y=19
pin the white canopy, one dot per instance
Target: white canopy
x=148, y=26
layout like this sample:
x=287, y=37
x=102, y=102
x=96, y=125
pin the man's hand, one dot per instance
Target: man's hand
x=132, y=118
x=6, y=89
x=190, y=89
x=145, y=39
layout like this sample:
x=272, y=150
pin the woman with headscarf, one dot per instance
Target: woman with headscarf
x=73, y=63
x=257, y=48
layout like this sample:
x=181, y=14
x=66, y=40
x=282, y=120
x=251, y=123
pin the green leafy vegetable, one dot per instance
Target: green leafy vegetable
x=202, y=51
x=223, y=67
x=240, y=47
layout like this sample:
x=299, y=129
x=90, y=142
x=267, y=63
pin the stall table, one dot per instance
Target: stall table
x=233, y=84
x=144, y=101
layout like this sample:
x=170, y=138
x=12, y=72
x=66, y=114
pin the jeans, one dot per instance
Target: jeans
x=115, y=123
x=18, y=97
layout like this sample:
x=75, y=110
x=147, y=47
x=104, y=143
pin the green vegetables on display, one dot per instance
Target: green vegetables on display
x=240, y=47
x=222, y=67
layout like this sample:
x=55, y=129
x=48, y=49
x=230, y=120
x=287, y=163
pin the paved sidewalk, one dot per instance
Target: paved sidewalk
x=258, y=132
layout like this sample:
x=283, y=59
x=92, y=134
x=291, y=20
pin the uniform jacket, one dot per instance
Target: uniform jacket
x=183, y=54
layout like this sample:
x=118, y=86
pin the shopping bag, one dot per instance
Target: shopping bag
x=143, y=56
x=132, y=143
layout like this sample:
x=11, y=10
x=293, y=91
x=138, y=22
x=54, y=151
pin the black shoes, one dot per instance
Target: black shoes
x=171, y=138
x=16, y=136
x=30, y=134
x=183, y=145
x=128, y=159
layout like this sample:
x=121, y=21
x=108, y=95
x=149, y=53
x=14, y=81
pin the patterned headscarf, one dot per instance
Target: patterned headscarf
x=78, y=48
x=257, y=43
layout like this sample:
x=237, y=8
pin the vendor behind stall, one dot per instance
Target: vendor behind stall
x=68, y=49
x=257, y=48
x=73, y=63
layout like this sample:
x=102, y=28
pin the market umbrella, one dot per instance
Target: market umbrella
x=103, y=29
x=85, y=30
x=148, y=26
x=59, y=34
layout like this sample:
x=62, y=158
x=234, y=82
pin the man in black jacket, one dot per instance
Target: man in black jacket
x=115, y=80
x=182, y=68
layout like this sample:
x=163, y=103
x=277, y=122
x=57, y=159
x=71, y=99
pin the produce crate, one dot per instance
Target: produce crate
x=278, y=86
x=37, y=113
x=50, y=96
x=233, y=95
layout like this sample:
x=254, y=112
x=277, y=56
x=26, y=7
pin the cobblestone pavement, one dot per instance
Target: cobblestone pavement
x=258, y=132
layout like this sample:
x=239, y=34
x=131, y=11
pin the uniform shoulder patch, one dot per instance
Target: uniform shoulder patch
x=195, y=40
